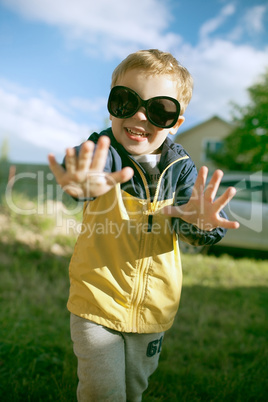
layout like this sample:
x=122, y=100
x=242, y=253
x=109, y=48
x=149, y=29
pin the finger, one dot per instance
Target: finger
x=100, y=156
x=85, y=156
x=56, y=169
x=122, y=176
x=226, y=197
x=51, y=159
x=213, y=186
x=224, y=223
x=99, y=182
x=70, y=160
x=200, y=182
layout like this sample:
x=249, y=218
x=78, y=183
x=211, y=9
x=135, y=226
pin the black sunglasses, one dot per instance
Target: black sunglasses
x=161, y=111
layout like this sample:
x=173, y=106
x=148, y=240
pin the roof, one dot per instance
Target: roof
x=204, y=123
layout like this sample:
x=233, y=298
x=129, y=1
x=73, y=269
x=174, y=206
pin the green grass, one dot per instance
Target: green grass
x=34, y=182
x=36, y=359
x=216, y=350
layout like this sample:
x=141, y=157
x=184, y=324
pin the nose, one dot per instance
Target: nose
x=141, y=114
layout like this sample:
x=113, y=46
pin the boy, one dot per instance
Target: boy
x=141, y=192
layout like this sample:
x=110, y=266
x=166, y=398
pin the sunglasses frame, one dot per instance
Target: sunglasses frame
x=143, y=103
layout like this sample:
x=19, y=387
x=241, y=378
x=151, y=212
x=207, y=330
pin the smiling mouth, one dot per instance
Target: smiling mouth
x=137, y=133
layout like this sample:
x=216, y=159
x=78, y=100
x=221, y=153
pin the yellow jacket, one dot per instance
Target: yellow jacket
x=125, y=272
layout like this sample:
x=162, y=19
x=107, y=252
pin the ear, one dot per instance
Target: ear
x=173, y=130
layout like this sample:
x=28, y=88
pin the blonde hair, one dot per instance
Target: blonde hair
x=156, y=62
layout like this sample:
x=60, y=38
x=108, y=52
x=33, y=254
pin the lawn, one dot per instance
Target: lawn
x=216, y=350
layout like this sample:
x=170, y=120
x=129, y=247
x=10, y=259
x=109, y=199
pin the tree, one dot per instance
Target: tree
x=4, y=151
x=246, y=147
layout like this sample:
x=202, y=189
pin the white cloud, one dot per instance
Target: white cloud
x=222, y=72
x=213, y=24
x=34, y=120
x=254, y=19
x=221, y=67
x=88, y=105
x=104, y=26
x=250, y=23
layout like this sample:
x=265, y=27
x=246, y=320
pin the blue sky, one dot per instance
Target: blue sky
x=57, y=57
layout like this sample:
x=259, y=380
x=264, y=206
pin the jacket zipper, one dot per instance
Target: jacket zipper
x=138, y=293
x=148, y=196
x=152, y=205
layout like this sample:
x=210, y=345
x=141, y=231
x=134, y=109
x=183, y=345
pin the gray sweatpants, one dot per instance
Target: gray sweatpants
x=112, y=366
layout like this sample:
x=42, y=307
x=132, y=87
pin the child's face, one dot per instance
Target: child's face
x=137, y=135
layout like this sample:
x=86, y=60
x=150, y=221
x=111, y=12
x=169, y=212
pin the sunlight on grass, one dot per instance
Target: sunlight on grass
x=50, y=225
x=217, y=347
x=215, y=351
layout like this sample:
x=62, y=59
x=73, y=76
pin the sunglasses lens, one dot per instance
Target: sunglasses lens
x=162, y=112
x=122, y=103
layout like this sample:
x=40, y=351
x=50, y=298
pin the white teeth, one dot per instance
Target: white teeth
x=137, y=133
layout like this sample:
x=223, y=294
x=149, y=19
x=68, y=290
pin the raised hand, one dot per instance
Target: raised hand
x=83, y=176
x=203, y=208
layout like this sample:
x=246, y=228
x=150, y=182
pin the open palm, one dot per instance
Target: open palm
x=83, y=175
x=203, y=208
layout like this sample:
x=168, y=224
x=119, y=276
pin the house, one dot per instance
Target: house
x=203, y=139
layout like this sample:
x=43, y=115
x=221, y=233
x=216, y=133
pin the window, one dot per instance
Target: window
x=211, y=147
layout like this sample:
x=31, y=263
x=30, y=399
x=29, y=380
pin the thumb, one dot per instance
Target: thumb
x=123, y=175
